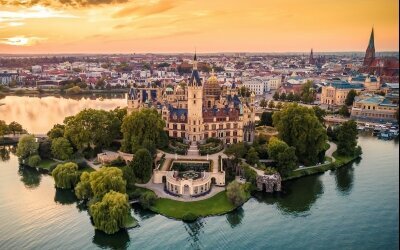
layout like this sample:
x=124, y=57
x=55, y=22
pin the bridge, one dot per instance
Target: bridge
x=14, y=139
x=134, y=201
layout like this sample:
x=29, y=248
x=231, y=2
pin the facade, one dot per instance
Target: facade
x=274, y=83
x=374, y=108
x=335, y=92
x=371, y=83
x=196, y=110
x=256, y=85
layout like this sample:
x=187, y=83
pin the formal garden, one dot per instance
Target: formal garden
x=211, y=146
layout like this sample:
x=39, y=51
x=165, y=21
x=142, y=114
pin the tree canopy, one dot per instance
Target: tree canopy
x=3, y=128
x=138, y=127
x=347, y=139
x=236, y=193
x=307, y=92
x=111, y=213
x=266, y=119
x=27, y=146
x=142, y=165
x=284, y=155
x=299, y=127
x=66, y=175
x=56, y=132
x=15, y=127
x=105, y=180
x=320, y=113
x=61, y=148
x=350, y=97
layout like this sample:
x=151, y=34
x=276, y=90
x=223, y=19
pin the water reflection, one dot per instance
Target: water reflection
x=31, y=177
x=344, y=177
x=142, y=213
x=119, y=240
x=39, y=114
x=4, y=153
x=65, y=196
x=298, y=195
x=235, y=217
x=194, y=229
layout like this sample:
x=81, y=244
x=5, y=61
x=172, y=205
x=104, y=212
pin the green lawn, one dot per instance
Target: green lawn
x=131, y=222
x=47, y=164
x=218, y=204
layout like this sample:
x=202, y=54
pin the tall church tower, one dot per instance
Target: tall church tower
x=370, y=53
x=311, y=60
x=195, y=105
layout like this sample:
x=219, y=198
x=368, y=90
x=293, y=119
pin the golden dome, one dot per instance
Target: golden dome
x=212, y=79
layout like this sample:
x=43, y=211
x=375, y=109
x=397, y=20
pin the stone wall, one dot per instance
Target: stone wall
x=272, y=182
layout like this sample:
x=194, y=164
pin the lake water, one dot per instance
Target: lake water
x=355, y=207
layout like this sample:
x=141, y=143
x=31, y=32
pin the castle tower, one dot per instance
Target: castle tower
x=195, y=105
x=370, y=53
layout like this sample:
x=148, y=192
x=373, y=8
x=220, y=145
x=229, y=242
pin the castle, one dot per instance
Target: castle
x=195, y=110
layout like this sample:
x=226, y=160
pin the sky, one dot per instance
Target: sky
x=169, y=26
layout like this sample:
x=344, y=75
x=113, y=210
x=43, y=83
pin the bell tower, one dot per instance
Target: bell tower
x=195, y=105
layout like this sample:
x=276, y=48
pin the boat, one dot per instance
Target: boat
x=386, y=135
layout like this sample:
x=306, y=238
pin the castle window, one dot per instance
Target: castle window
x=194, y=101
x=194, y=122
x=194, y=96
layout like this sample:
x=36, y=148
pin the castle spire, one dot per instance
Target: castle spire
x=195, y=60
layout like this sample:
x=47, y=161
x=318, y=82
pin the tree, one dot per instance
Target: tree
x=34, y=160
x=347, y=138
x=105, y=180
x=290, y=97
x=266, y=119
x=344, y=111
x=276, y=96
x=307, y=92
x=15, y=127
x=56, y=132
x=299, y=127
x=284, y=155
x=252, y=156
x=66, y=175
x=27, y=146
x=236, y=193
x=263, y=103
x=45, y=149
x=61, y=149
x=279, y=105
x=271, y=104
x=320, y=113
x=83, y=190
x=139, y=126
x=237, y=150
x=111, y=213
x=147, y=199
x=282, y=97
x=142, y=165
x=87, y=129
x=350, y=97
x=3, y=128
x=296, y=97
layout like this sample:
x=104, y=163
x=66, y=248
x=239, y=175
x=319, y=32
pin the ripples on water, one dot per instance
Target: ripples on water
x=354, y=207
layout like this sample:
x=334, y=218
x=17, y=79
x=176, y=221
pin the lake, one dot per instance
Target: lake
x=355, y=207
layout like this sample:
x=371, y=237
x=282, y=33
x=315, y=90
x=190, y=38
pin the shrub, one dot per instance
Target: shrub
x=34, y=160
x=236, y=193
x=66, y=175
x=189, y=217
x=147, y=199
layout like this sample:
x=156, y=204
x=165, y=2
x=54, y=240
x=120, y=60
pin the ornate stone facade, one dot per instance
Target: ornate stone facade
x=270, y=182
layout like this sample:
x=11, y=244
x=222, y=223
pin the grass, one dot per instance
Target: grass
x=340, y=162
x=47, y=164
x=216, y=205
x=131, y=222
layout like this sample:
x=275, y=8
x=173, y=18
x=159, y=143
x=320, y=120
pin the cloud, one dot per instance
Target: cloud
x=36, y=12
x=59, y=3
x=147, y=9
x=21, y=40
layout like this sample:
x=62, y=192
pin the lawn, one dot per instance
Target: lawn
x=216, y=205
x=47, y=164
x=131, y=222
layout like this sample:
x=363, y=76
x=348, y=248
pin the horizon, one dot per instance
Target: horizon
x=177, y=26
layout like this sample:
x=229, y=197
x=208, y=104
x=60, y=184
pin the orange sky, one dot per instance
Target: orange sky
x=127, y=26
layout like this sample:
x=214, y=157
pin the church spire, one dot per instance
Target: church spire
x=370, y=53
x=371, y=44
x=195, y=60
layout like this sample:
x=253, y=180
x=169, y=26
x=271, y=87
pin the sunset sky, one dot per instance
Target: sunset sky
x=128, y=26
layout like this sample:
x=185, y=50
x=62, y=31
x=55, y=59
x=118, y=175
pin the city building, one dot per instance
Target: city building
x=374, y=108
x=335, y=92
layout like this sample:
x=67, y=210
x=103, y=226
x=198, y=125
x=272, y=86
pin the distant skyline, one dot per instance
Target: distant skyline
x=178, y=26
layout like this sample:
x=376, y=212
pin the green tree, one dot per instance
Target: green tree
x=307, y=92
x=3, y=128
x=237, y=150
x=290, y=97
x=279, y=105
x=299, y=127
x=142, y=165
x=66, y=175
x=147, y=199
x=276, y=96
x=83, y=190
x=350, y=97
x=111, y=213
x=236, y=193
x=266, y=119
x=252, y=156
x=296, y=97
x=263, y=103
x=282, y=96
x=61, y=149
x=27, y=146
x=344, y=111
x=320, y=113
x=34, y=160
x=275, y=146
x=139, y=126
x=15, y=127
x=87, y=128
x=271, y=104
x=105, y=180
x=347, y=138
x=284, y=155
x=56, y=132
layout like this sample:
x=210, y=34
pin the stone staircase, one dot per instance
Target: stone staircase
x=193, y=150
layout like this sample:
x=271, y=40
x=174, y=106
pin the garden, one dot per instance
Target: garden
x=212, y=146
